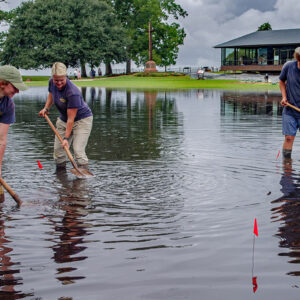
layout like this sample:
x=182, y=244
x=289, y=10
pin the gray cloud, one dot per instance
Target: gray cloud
x=238, y=7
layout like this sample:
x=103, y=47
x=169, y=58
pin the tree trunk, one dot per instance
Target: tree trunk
x=128, y=66
x=83, y=70
x=108, y=69
x=83, y=92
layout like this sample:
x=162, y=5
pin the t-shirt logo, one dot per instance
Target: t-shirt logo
x=62, y=100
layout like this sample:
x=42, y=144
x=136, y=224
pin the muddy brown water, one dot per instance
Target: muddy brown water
x=180, y=177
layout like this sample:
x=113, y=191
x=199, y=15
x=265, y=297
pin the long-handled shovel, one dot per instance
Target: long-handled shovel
x=294, y=107
x=11, y=191
x=79, y=172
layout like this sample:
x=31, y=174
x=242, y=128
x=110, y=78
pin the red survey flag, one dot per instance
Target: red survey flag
x=40, y=166
x=255, y=231
x=254, y=282
x=278, y=154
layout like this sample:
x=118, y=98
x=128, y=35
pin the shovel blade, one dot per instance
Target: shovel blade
x=82, y=173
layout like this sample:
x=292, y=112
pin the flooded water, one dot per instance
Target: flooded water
x=179, y=179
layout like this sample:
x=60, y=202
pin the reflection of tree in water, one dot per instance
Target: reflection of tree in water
x=256, y=103
x=287, y=212
x=8, y=278
x=132, y=129
x=72, y=228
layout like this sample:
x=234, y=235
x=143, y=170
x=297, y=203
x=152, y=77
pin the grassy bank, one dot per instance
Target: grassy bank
x=179, y=82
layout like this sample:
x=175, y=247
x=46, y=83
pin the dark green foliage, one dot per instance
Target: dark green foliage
x=265, y=26
x=166, y=38
x=61, y=30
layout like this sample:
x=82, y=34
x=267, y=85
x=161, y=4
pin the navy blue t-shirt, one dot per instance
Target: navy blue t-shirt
x=69, y=97
x=291, y=75
x=7, y=110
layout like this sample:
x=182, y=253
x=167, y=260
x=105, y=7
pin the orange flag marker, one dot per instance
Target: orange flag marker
x=40, y=166
x=255, y=231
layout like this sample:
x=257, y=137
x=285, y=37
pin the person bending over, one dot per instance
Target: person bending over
x=75, y=121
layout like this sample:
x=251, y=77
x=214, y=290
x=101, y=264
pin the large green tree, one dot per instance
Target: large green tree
x=74, y=32
x=5, y=19
x=135, y=16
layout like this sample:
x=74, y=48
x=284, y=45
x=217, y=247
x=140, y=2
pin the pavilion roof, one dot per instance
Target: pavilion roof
x=283, y=37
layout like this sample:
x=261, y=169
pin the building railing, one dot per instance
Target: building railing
x=247, y=62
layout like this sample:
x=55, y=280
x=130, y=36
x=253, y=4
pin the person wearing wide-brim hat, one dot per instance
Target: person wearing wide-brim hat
x=75, y=121
x=10, y=84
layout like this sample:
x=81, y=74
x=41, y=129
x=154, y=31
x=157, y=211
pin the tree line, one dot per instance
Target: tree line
x=81, y=32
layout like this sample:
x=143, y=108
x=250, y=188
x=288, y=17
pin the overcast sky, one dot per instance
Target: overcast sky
x=211, y=22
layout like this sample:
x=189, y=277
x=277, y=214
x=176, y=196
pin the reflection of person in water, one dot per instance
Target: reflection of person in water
x=7, y=269
x=72, y=228
x=288, y=211
x=7, y=275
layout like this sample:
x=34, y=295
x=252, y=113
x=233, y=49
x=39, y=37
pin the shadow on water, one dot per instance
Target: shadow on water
x=287, y=212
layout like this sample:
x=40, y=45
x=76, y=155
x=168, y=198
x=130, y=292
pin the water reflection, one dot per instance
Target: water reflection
x=178, y=179
x=238, y=102
x=71, y=230
x=9, y=271
x=287, y=212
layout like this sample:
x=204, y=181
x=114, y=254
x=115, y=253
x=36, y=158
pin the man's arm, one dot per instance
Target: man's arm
x=282, y=86
x=3, y=139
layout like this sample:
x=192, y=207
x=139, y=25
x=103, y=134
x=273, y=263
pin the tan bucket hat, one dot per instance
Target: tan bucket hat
x=12, y=75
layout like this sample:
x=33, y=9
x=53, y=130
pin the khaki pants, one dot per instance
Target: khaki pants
x=79, y=138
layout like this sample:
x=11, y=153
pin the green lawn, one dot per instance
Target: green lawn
x=178, y=82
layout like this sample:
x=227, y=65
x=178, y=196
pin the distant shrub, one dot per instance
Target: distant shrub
x=158, y=74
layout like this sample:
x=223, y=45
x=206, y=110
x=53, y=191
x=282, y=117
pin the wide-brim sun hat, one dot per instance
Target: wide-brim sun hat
x=12, y=75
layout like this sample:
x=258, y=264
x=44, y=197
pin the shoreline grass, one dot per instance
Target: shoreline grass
x=178, y=82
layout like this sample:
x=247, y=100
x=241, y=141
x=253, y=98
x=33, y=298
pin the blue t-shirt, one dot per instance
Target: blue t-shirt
x=69, y=97
x=291, y=75
x=7, y=110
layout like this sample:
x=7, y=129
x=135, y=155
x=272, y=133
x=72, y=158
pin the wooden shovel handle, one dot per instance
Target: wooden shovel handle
x=61, y=140
x=11, y=191
x=294, y=107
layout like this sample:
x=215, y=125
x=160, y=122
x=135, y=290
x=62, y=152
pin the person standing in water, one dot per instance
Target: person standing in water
x=289, y=84
x=10, y=84
x=75, y=121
